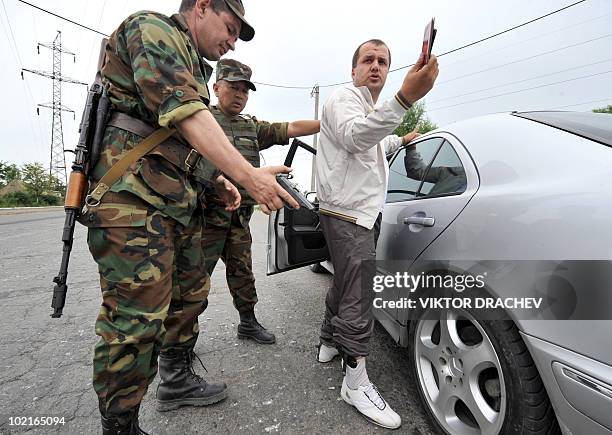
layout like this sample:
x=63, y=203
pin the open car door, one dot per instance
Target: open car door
x=295, y=238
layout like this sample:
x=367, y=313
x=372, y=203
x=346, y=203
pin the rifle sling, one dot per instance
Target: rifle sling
x=119, y=168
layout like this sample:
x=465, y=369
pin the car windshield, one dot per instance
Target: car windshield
x=594, y=126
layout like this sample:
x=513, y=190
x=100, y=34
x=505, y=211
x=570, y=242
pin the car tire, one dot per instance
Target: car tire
x=526, y=407
x=317, y=268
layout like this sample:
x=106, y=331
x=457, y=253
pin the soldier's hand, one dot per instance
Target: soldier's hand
x=419, y=79
x=266, y=191
x=228, y=193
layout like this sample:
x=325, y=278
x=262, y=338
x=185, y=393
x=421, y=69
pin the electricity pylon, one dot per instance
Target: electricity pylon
x=57, y=166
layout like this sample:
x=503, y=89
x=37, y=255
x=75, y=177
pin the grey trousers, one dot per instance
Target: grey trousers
x=348, y=321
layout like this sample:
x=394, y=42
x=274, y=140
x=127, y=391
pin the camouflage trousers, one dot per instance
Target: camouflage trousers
x=154, y=287
x=226, y=236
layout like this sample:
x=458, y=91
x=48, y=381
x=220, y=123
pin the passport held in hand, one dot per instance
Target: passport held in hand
x=428, y=39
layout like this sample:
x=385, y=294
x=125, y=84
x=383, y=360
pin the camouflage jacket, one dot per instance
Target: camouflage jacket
x=249, y=136
x=153, y=72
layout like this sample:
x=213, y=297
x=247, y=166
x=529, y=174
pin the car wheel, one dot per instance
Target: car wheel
x=477, y=377
x=317, y=268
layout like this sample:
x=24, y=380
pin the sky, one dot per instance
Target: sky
x=560, y=62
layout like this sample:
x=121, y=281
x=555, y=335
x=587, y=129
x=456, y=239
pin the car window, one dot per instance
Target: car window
x=445, y=176
x=403, y=186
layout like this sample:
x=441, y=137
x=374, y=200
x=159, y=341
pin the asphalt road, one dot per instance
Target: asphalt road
x=45, y=364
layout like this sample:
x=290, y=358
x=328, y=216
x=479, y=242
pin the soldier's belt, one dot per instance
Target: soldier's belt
x=177, y=153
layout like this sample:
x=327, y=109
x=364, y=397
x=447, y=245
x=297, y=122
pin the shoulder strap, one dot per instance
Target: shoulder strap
x=119, y=168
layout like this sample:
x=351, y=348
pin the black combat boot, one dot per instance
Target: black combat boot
x=123, y=424
x=249, y=327
x=181, y=386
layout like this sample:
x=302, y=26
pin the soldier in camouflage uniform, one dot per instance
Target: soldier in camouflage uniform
x=145, y=233
x=226, y=234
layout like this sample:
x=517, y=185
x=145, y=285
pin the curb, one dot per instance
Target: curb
x=20, y=210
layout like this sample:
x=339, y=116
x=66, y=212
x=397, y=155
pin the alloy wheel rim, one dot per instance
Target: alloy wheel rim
x=459, y=373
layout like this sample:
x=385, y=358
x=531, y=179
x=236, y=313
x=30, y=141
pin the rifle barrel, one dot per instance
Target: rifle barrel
x=61, y=288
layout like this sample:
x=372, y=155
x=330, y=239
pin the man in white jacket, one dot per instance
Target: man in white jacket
x=351, y=183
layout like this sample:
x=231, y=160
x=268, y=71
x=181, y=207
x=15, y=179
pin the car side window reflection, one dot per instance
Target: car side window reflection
x=445, y=176
x=403, y=186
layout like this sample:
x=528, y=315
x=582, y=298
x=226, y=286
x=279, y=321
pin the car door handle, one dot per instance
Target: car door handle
x=419, y=220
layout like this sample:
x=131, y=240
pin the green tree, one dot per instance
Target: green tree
x=416, y=115
x=35, y=179
x=603, y=110
x=55, y=186
x=8, y=173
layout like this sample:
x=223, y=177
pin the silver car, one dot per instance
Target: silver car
x=524, y=200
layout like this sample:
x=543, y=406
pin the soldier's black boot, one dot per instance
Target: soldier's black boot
x=123, y=424
x=181, y=386
x=249, y=327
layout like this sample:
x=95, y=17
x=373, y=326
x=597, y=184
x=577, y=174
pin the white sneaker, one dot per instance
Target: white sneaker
x=370, y=403
x=326, y=353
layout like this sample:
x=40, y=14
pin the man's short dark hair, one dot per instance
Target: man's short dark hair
x=376, y=42
x=217, y=5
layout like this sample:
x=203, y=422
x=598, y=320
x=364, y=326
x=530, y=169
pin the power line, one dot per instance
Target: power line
x=34, y=25
x=502, y=32
x=64, y=18
x=407, y=66
x=556, y=50
x=104, y=34
x=17, y=57
x=8, y=20
x=520, y=90
x=346, y=82
x=497, y=49
x=521, y=81
x=475, y=42
x=92, y=50
x=282, y=86
x=609, y=99
x=33, y=102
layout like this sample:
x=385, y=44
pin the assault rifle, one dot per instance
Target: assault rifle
x=87, y=152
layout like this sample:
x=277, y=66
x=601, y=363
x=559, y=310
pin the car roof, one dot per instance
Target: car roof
x=594, y=126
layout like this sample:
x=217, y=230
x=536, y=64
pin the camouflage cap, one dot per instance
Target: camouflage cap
x=233, y=71
x=246, y=31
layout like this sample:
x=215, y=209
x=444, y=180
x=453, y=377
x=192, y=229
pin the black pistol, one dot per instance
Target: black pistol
x=283, y=180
